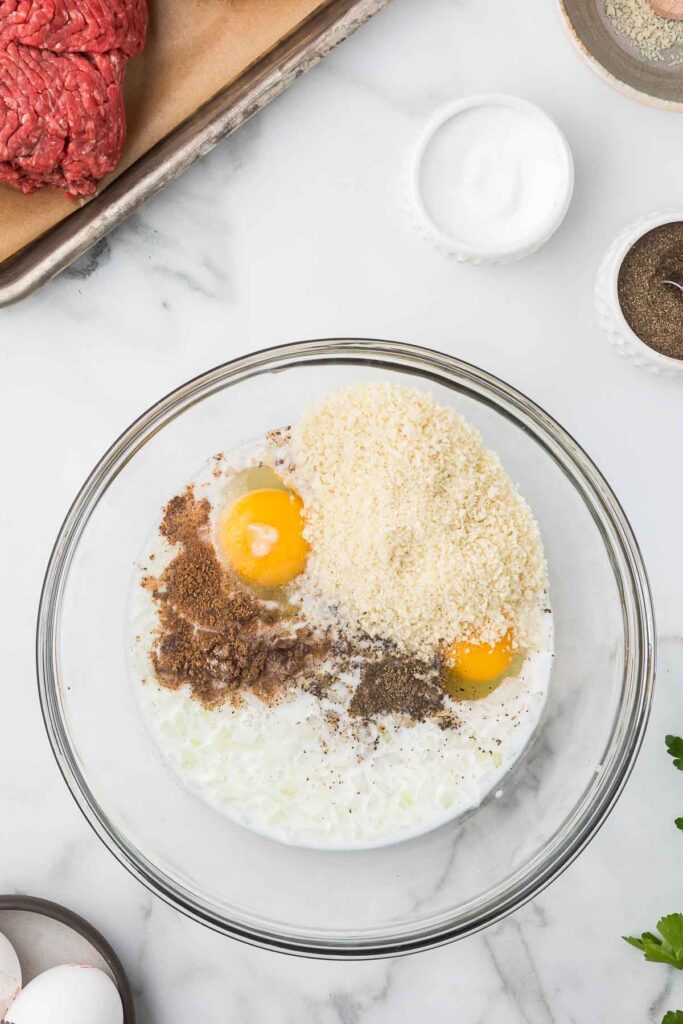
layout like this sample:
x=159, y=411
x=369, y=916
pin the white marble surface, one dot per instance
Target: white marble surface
x=294, y=228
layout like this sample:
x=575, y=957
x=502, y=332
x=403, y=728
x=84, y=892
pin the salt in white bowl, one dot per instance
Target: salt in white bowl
x=491, y=179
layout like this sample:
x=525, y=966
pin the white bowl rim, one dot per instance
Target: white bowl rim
x=523, y=246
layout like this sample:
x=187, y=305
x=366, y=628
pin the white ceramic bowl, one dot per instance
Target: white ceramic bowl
x=505, y=252
x=610, y=316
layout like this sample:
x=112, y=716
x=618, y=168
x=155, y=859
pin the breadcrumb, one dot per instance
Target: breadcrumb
x=417, y=534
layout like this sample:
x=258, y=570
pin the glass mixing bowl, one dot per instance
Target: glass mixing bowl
x=419, y=893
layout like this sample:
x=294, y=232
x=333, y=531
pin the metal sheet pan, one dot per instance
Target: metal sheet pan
x=329, y=25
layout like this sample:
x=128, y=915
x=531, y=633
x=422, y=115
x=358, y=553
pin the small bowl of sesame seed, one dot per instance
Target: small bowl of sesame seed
x=630, y=47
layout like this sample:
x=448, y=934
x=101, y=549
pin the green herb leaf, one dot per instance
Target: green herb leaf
x=659, y=955
x=679, y=823
x=668, y=949
x=673, y=1017
x=674, y=744
x=671, y=930
x=647, y=939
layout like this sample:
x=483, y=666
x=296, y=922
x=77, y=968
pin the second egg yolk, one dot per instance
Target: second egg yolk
x=262, y=537
x=480, y=663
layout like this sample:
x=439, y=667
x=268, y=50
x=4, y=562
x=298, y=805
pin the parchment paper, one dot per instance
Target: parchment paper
x=194, y=48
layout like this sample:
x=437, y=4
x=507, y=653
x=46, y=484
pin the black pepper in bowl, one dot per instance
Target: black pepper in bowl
x=653, y=308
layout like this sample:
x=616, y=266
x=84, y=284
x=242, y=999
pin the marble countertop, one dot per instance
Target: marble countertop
x=294, y=228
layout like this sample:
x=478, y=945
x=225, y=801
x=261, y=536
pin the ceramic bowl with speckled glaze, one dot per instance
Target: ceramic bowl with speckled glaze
x=618, y=62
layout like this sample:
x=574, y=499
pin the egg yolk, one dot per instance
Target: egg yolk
x=480, y=663
x=262, y=537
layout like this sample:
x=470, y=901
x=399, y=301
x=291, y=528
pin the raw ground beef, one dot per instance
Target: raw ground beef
x=62, y=118
x=75, y=26
x=62, y=121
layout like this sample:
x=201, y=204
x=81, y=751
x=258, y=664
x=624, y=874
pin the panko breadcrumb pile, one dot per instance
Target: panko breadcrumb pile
x=417, y=534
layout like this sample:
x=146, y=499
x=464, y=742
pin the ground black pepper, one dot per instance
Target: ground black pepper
x=398, y=685
x=654, y=310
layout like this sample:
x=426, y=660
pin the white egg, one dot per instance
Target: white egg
x=72, y=994
x=10, y=975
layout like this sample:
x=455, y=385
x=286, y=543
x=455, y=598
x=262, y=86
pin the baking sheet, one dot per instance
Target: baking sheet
x=194, y=49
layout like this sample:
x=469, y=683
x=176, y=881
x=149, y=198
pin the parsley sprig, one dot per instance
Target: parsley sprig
x=674, y=744
x=667, y=947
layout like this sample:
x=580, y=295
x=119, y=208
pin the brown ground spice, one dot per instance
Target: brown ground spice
x=212, y=635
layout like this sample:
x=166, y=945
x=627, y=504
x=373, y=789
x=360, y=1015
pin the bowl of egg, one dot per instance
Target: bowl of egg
x=55, y=968
x=346, y=649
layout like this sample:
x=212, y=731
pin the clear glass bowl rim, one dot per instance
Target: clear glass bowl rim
x=628, y=729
